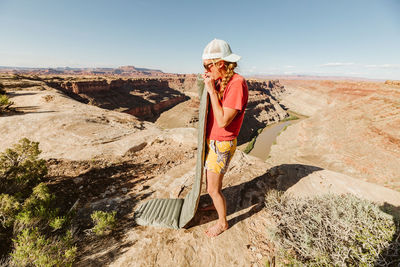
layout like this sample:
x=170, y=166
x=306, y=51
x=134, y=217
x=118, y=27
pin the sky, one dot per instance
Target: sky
x=358, y=38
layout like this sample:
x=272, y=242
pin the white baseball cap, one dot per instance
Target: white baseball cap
x=219, y=49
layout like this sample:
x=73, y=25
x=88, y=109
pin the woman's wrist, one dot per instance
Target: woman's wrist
x=214, y=92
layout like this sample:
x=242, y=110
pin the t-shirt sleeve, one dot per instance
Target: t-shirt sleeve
x=235, y=94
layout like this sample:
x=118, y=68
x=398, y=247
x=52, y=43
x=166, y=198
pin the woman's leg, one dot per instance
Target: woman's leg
x=214, y=189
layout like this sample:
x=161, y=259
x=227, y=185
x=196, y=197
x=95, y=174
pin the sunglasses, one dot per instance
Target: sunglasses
x=207, y=67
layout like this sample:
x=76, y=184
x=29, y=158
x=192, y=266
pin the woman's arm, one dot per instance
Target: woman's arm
x=223, y=115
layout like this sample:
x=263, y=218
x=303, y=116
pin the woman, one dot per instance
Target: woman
x=228, y=99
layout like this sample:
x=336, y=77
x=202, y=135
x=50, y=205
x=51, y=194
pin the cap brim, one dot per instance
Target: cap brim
x=231, y=58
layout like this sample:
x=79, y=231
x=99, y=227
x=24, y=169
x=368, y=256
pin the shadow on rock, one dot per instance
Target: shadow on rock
x=252, y=193
x=111, y=246
x=88, y=186
x=390, y=256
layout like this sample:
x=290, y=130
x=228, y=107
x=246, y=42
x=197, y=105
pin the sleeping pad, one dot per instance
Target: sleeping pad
x=177, y=213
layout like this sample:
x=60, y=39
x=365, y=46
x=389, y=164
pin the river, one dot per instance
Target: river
x=264, y=141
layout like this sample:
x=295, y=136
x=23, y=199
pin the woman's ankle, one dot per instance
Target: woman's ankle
x=223, y=223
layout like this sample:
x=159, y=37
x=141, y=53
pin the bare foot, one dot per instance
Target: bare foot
x=206, y=208
x=215, y=230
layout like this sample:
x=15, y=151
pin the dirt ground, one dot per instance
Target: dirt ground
x=113, y=184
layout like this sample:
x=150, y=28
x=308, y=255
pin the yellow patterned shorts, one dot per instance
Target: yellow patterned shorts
x=219, y=154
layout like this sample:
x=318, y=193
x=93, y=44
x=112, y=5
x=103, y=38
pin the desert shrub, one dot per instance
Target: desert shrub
x=36, y=209
x=33, y=249
x=9, y=207
x=21, y=168
x=104, y=222
x=28, y=214
x=58, y=222
x=331, y=230
x=5, y=102
x=30, y=246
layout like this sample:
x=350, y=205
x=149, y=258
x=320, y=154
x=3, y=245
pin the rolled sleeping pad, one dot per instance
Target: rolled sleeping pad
x=177, y=213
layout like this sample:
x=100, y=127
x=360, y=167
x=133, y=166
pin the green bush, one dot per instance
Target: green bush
x=104, y=222
x=33, y=249
x=20, y=168
x=5, y=102
x=36, y=209
x=57, y=223
x=40, y=196
x=27, y=211
x=331, y=230
x=9, y=207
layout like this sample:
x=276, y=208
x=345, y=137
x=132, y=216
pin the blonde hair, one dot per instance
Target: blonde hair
x=229, y=68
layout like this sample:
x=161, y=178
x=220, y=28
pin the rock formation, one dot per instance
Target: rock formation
x=394, y=83
x=355, y=131
x=142, y=97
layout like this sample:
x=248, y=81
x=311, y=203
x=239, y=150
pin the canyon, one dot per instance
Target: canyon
x=101, y=157
x=353, y=128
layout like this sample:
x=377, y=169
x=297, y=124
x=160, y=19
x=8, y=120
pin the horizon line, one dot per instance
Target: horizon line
x=249, y=75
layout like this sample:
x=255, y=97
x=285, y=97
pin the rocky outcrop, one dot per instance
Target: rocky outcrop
x=89, y=86
x=152, y=110
x=357, y=133
x=181, y=84
x=263, y=107
x=86, y=86
x=144, y=98
x=394, y=83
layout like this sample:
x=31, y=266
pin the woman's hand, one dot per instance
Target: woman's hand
x=209, y=83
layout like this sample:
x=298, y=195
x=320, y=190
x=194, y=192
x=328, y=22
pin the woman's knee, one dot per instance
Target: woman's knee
x=213, y=191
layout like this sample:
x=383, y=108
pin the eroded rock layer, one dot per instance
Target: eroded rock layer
x=144, y=98
x=356, y=131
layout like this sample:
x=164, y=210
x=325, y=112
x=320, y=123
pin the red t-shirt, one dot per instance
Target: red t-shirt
x=235, y=96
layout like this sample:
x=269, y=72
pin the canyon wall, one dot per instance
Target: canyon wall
x=144, y=98
x=85, y=86
x=89, y=86
x=150, y=98
x=263, y=107
x=154, y=109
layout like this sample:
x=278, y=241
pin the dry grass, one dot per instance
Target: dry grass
x=333, y=230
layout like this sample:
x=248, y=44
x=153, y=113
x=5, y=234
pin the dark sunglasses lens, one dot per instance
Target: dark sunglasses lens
x=207, y=67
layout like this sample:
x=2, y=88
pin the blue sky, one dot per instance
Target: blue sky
x=320, y=37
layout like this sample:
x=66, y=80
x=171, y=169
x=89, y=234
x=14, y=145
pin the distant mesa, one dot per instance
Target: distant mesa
x=120, y=71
